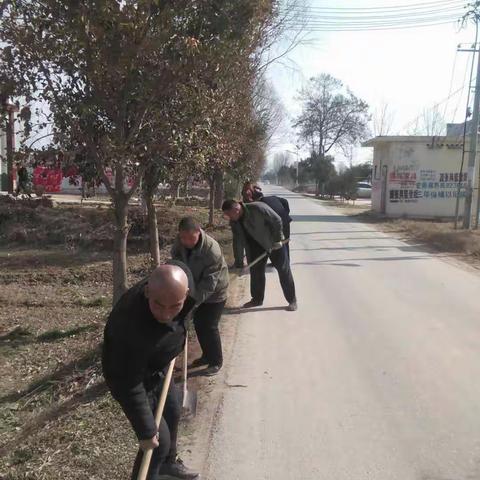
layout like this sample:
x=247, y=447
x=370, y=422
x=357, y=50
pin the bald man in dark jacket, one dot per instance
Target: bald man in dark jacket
x=144, y=332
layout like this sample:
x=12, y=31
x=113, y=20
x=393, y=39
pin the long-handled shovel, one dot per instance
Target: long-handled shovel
x=189, y=402
x=147, y=456
x=247, y=268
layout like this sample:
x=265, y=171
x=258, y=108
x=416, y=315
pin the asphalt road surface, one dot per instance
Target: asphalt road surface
x=375, y=377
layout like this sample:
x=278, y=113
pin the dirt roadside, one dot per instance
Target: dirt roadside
x=198, y=432
x=57, y=420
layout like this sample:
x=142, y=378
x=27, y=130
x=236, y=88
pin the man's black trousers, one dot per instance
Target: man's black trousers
x=281, y=261
x=286, y=234
x=206, y=319
x=167, y=432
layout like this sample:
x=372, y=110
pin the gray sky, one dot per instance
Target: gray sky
x=409, y=69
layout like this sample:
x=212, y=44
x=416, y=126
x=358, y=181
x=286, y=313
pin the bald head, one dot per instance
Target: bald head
x=166, y=291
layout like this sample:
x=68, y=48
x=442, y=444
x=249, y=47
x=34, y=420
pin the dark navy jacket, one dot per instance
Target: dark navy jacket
x=136, y=350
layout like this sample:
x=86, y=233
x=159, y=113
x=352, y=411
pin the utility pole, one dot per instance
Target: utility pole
x=472, y=200
x=472, y=183
x=10, y=108
x=296, y=178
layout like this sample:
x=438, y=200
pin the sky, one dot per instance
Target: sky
x=409, y=69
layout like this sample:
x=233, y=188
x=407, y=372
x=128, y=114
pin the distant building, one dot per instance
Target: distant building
x=417, y=176
x=456, y=129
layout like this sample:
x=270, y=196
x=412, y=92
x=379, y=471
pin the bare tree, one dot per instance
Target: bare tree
x=433, y=123
x=429, y=123
x=383, y=118
x=268, y=108
x=332, y=115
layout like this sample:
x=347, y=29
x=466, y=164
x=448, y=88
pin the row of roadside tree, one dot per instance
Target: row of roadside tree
x=151, y=90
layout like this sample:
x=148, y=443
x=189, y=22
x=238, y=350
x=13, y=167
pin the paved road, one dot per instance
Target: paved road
x=376, y=377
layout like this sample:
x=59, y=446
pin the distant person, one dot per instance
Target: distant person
x=22, y=182
x=248, y=190
x=146, y=330
x=281, y=207
x=261, y=231
x=203, y=256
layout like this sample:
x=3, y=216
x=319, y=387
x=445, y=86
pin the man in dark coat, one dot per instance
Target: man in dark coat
x=23, y=180
x=261, y=231
x=281, y=207
x=144, y=332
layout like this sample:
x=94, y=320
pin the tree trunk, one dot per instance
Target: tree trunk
x=175, y=191
x=10, y=133
x=211, y=203
x=219, y=188
x=153, y=231
x=120, y=246
x=142, y=198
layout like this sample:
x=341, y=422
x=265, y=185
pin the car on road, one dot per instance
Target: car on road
x=364, y=190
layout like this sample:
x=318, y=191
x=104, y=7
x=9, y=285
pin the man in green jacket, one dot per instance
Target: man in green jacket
x=261, y=231
x=203, y=256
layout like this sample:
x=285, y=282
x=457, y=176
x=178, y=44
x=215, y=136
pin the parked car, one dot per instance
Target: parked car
x=364, y=190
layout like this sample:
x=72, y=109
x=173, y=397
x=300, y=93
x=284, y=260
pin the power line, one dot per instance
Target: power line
x=318, y=19
x=412, y=6
x=377, y=15
x=372, y=28
x=314, y=25
x=434, y=106
x=408, y=21
x=381, y=19
x=451, y=82
x=385, y=21
x=464, y=84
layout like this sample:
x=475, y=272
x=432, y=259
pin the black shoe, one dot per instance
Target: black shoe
x=252, y=303
x=199, y=362
x=292, y=307
x=212, y=370
x=178, y=470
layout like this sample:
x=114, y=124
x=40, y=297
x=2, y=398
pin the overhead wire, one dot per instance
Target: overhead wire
x=461, y=95
x=372, y=10
x=434, y=107
x=452, y=76
x=318, y=19
x=410, y=6
x=377, y=15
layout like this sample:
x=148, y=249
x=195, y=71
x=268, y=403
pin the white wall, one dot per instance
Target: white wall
x=421, y=176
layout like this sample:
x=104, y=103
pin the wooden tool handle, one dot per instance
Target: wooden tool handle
x=147, y=456
x=262, y=256
x=185, y=368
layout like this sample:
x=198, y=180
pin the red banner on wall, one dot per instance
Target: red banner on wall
x=49, y=178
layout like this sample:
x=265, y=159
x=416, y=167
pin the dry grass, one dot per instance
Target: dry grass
x=57, y=420
x=85, y=226
x=439, y=235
